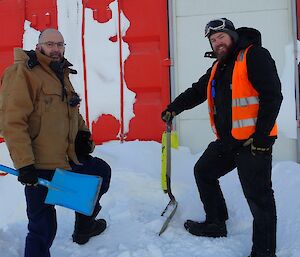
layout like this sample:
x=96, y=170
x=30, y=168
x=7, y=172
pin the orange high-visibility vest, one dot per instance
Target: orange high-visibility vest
x=245, y=100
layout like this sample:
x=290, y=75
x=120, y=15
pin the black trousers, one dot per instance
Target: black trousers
x=42, y=223
x=255, y=176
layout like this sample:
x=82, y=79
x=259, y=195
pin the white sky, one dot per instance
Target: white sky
x=135, y=200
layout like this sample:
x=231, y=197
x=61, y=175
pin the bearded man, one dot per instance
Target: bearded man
x=243, y=92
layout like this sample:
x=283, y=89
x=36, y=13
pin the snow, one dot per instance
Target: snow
x=135, y=200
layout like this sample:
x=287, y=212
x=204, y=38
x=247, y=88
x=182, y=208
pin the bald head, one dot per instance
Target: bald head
x=51, y=43
x=49, y=34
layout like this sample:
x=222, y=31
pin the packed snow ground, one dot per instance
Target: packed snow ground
x=135, y=200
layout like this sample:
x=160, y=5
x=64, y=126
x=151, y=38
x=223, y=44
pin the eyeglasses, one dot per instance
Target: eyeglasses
x=215, y=25
x=51, y=44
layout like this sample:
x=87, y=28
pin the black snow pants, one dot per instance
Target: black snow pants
x=42, y=224
x=255, y=176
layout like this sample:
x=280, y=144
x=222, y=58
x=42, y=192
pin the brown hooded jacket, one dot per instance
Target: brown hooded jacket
x=37, y=123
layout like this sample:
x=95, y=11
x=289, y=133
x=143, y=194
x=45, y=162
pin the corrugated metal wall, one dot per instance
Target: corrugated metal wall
x=146, y=70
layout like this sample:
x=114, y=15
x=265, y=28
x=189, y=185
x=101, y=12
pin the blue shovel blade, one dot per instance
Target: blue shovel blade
x=75, y=191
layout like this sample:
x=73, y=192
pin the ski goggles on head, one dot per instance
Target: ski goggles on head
x=215, y=25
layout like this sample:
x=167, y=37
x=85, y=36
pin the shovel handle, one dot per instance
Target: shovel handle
x=168, y=162
x=9, y=170
x=169, y=126
x=12, y=171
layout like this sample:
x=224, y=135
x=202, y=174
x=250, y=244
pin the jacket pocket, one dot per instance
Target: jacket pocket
x=50, y=97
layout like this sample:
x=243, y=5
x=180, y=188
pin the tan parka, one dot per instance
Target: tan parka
x=37, y=123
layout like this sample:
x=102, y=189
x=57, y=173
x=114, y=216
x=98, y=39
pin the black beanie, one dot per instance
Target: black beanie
x=221, y=25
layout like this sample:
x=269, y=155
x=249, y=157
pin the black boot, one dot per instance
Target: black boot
x=206, y=228
x=87, y=227
x=254, y=254
x=95, y=228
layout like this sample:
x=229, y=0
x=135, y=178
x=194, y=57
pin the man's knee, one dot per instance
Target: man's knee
x=94, y=166
x=201, y=170
x=106, y=176
x=103, y=170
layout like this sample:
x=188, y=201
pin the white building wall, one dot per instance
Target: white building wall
x=273, y=18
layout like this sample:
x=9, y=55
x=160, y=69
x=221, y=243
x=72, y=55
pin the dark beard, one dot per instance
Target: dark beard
x=51, y=56
x=224, y=56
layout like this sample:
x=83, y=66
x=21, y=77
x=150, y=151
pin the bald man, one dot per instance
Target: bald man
x=43, y=130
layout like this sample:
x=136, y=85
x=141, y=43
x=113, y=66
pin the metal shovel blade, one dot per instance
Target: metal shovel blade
x=169, y=211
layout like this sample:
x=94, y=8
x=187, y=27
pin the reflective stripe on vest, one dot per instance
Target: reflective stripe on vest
x=244, y=123
x=242, y=102
x=245, y=100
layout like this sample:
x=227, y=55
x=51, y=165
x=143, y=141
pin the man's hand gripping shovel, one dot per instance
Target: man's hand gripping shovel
x=75, y=191
x=170, y=209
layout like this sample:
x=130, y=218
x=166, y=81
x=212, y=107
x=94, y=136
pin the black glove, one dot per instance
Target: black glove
x=260, y=144
x=262, y=141
x=168, y=115
x=83, y=143
x=28, y=176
